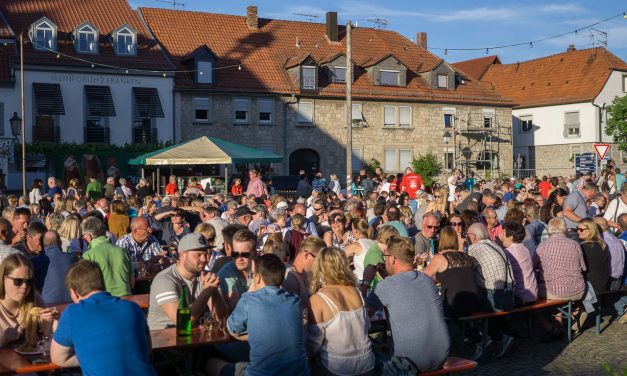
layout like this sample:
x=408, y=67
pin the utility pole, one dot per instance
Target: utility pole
x=349, y=109
x=23, y=115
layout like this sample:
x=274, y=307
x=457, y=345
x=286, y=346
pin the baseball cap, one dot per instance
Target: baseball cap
x=243, y=210
x=282, y=205
x=192, y=242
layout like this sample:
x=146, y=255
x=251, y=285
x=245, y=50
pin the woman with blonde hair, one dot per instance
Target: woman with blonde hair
x=440, y=203
x=20, y=315
x=71, y=237
x=595, y=254
x=358, y=250
x=338, y=320
x=35, y=212
x=454, y=270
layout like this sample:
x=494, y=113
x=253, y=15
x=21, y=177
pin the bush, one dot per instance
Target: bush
x=372, y=166
x=428, y=167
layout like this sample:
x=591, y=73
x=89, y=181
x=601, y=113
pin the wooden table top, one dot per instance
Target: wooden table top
x=13, y=363
x=167, y=339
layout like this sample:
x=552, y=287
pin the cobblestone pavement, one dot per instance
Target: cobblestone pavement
x=583, y=356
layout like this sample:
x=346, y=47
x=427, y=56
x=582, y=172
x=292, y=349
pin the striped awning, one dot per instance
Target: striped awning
x=147, y=103
x=99, y=101
x=48, y=99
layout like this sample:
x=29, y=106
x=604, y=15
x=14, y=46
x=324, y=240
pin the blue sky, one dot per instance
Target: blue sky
x=456, y=24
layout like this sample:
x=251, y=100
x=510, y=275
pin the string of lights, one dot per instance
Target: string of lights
x=530, y=43
x=127, y=70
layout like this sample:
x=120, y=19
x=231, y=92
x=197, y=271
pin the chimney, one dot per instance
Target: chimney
x=421, y=39
x=332, y=26
x=571, y=48
x=252, y=20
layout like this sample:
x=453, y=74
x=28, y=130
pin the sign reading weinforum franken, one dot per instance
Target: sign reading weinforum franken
x=95, y=80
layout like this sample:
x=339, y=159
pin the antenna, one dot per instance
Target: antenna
x=379, y=23
x=174, y=3
x=603, y=37
x=310, y=17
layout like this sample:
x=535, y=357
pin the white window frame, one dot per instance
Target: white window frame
x=125, y=32
x=301, y=118
x=303, y=83
x=398, y=77
x=261, y=102
x=83, y=32
x=448, y=111
x=357, y=115
x=624, y=83
x=205, y=72
x=202, y=103
x=623, y=157
x=397, y=116
x=46, y=26
x=572, y=130
x=401, y=124
x=397, y=159
x=335, y=75
x=241, y=105
x=357, y=158
x=449, y=159
x=442, y=81
x=489, y=117
x=526, y=119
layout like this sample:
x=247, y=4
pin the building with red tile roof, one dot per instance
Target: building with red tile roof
x=477, y=67
x=280, y=85
x=93, y=74
x=560, y=105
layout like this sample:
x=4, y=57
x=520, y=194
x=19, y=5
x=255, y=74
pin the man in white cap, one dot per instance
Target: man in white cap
x=203, y=288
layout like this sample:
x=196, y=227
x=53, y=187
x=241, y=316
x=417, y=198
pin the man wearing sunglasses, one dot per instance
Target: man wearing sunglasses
x=235, y=276
x=425, y=240
x=202, y=288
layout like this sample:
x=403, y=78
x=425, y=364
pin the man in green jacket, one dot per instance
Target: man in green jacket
x=114, y=261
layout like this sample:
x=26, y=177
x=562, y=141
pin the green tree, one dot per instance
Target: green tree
x=428, y=167
x=372, y=166
x=617, y=122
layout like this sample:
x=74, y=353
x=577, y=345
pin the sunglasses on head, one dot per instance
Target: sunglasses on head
x=237, y=255
x=18, y=282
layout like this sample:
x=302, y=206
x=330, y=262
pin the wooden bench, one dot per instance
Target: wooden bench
x=452, y=365
x=564, y=306
x=600, y=296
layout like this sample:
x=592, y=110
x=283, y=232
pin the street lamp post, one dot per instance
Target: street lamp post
x=17, y=129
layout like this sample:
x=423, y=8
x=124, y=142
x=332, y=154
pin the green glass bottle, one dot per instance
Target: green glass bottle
x=183, y=315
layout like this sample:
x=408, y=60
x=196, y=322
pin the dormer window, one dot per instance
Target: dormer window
x=125, y=41
x=442, y=81
x=308, y=77
x=86, y=39
x=205, y=72
x=44, y=35
x=390, y=77
x=339, y=74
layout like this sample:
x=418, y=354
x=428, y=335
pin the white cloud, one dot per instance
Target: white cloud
x=558, y=8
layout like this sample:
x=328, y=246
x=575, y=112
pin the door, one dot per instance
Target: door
x=304, y=159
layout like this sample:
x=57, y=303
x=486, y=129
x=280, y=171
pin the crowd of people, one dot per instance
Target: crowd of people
x=298, y=278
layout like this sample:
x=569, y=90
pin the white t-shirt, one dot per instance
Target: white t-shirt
x=611, y=214
x=452, y=184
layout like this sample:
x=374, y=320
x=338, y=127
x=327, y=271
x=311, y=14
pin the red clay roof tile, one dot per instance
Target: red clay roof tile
x=569, y=77
x=263, y=54
x=106, y=15
x=477, y=67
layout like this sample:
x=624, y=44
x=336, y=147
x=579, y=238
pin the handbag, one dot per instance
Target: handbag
x=504, y=298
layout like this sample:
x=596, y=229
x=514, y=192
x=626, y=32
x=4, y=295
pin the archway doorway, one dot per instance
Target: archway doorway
x=304, y=159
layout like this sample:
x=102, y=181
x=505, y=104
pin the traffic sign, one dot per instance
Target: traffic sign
x=601, y=149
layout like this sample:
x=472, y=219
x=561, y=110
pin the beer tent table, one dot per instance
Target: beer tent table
x=204, y=151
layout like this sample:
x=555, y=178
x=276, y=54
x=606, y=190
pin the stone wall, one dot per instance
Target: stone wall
x=559, y=160
x=327, y=135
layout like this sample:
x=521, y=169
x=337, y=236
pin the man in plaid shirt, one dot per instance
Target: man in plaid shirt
x=494, y=277
x=561, y=264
